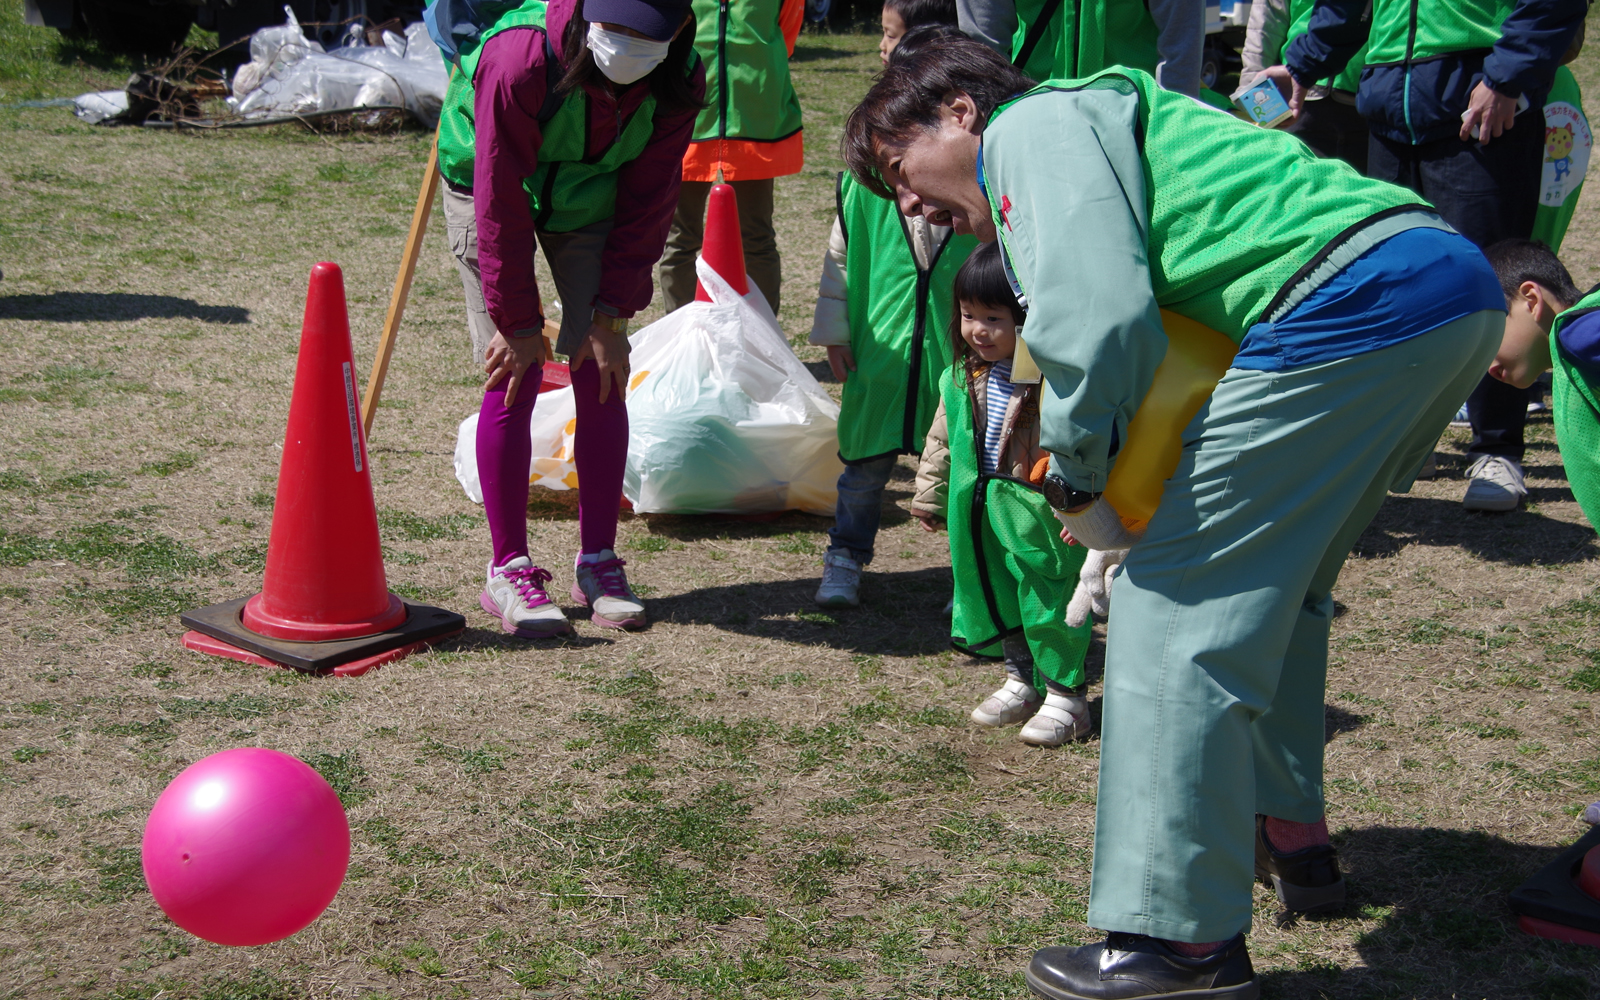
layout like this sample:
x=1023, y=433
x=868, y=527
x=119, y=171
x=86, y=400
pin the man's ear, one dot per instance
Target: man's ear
x=962, y=110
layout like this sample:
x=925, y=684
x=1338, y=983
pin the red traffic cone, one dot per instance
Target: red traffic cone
x=324, y=601
x=723, y=246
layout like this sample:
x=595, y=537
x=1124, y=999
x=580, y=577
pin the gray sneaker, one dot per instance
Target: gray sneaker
x=602, y=587
x=1496, y=484
x=841, y=581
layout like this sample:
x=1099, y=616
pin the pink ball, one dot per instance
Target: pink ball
x=246, y=847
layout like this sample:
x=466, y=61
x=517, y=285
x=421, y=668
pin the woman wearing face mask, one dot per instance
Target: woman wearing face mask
x=565, y=126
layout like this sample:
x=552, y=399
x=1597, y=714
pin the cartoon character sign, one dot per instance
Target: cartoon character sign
x=1567, y=145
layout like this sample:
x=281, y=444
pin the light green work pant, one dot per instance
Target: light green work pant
x=1217, y=650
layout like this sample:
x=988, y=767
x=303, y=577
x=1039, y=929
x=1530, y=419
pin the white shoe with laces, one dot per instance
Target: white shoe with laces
x=515, y=594
x=1061, y=719
x=1015, y=701
x=1496, y=485
x=602, y=587
x=841, y=581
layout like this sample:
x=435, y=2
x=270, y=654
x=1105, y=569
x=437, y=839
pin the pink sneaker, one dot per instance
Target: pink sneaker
x=603, y=588
x=515, y=594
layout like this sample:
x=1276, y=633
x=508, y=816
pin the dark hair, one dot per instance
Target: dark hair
x=981, y=279
x=916, y=38
x=1516, y=261
x=919, y=12
x=669, y=82
x=905, y=100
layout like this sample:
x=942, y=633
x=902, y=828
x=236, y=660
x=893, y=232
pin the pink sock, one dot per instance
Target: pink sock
x=1188, y=950
x=1286, y=836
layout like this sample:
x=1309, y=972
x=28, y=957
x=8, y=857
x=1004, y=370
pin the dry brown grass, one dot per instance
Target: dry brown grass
x=750, y=798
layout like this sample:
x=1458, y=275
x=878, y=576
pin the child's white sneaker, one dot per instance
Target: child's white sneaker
x=602, y=587
x=1061, y=719
x=1014, y=702
x=841, y=581
x=515, y=594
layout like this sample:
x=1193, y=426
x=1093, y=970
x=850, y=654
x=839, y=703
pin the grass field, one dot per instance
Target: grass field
x=751, y=799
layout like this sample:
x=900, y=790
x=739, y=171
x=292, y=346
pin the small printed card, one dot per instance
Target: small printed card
x=1264, y=104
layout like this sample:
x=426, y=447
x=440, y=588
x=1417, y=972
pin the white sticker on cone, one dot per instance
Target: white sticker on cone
x=350, y=406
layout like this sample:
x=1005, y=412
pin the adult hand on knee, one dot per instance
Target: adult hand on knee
x=609, y=350
x=510, y=358
x=1094, y=585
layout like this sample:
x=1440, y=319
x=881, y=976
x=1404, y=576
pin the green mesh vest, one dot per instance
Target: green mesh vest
x=899, y=327
x=1407, y=31
x=1013, y=572
x=1073, y=38
x=568, y=190
x=749, y=95
x=1575, y=397
x=1349, y=78
x=1237, y=214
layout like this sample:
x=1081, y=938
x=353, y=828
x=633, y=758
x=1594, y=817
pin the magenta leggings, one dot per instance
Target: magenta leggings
x=505, y=456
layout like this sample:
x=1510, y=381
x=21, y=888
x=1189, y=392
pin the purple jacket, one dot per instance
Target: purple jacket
x=510, y=89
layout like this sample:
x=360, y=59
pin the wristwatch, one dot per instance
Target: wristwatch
x=616, y=324
x=1060, y=494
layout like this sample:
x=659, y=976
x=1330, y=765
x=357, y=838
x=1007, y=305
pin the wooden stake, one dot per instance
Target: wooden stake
x=402, y=288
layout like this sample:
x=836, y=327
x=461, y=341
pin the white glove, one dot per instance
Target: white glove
x=1094, y=585
x=1098, y=526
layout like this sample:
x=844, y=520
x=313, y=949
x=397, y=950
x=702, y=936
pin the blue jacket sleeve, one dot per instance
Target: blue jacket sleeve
x=1334, y=35
x=1533, y=39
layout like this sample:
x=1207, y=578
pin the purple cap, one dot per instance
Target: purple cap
x=656, y=19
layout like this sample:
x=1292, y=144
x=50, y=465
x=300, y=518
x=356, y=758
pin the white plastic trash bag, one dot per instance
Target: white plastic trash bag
x=289, y=74
x=554, y=420
x=724, y=418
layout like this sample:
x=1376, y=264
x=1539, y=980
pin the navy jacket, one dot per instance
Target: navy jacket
x=1424, y=101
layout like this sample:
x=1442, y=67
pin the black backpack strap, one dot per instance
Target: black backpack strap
x=1036, y=32
x=552, y=80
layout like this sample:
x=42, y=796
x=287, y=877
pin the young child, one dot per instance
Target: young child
x=980, y=469
x=901, y=16
x=1551, y=325
x=882, y=308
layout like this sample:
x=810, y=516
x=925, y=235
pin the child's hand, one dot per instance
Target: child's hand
x=842, y=362
x=926, y=519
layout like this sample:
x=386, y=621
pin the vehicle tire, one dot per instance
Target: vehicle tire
x=141, y=26
x=1210, y=67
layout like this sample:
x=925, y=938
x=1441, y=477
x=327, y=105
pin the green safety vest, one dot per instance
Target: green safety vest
x=899, y=326
x=1568, y=145
x=1349, y=79
x=1013, y=572
x=569, y=189
x=1407, y=31
x=1076, y=38
x=749, y=95
x=1575, y=400
x=1237, y=214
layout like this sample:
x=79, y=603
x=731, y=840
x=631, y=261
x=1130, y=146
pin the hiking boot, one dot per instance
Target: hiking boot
x=841, y=581
x=515, y=594
x=1132, y=966
x=1062, y=719
x=1496, y=484
x=602, y=587
x=1015, y=701
x=1307, y=880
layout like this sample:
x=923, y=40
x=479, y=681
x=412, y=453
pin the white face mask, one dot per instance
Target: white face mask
x=623, y=58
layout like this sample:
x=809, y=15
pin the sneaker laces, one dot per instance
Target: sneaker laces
x=613, y=582
x=1499, y=470
x=529, y=581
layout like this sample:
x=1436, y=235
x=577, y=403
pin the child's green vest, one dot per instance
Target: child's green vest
x=1405, y=31
x=1349, y=78
x=1576, y=402
x=569, y=190
x=899, y=326
x=1567, y=146
x=1230, y=235
x=748, y=91
x=1076, y=38
x=1002, y=533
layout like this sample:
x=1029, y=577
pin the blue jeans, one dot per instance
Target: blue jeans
x=860, y=506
